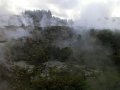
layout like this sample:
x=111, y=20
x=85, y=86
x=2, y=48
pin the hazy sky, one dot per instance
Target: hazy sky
x=65, y=8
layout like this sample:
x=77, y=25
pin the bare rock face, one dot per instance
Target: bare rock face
x=54, y=64
x=13, y=32
x=2, y=36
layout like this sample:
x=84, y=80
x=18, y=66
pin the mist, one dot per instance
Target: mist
x=81, y=36
x=99, y=16
x=92, y=14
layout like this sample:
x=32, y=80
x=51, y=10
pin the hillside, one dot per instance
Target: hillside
x=58, y=57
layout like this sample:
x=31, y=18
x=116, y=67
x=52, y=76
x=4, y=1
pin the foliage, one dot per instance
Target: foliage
x=106, y=36
x=64, y=79
x=21, y=79
x=35, y=53
x=93, y=52
x=111, y=39
x=65, y=53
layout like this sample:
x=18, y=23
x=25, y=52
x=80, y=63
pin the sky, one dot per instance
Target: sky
x=70, y=9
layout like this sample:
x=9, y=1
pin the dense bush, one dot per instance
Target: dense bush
x=36, y=79
x=92, y=53
x=106, y=36
x=35, y=53
x=111, y=40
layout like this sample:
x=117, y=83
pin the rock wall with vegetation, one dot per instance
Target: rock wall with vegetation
x=59, y=58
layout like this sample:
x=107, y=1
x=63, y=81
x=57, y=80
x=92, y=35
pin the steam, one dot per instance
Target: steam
x=98, y=15
x=93, y=15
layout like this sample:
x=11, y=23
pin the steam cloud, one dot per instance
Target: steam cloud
x=86, y=13
x=92, y=13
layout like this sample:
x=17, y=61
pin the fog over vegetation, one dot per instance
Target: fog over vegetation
x=39, y=51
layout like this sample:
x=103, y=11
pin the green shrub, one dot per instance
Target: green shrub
x=25, y=79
